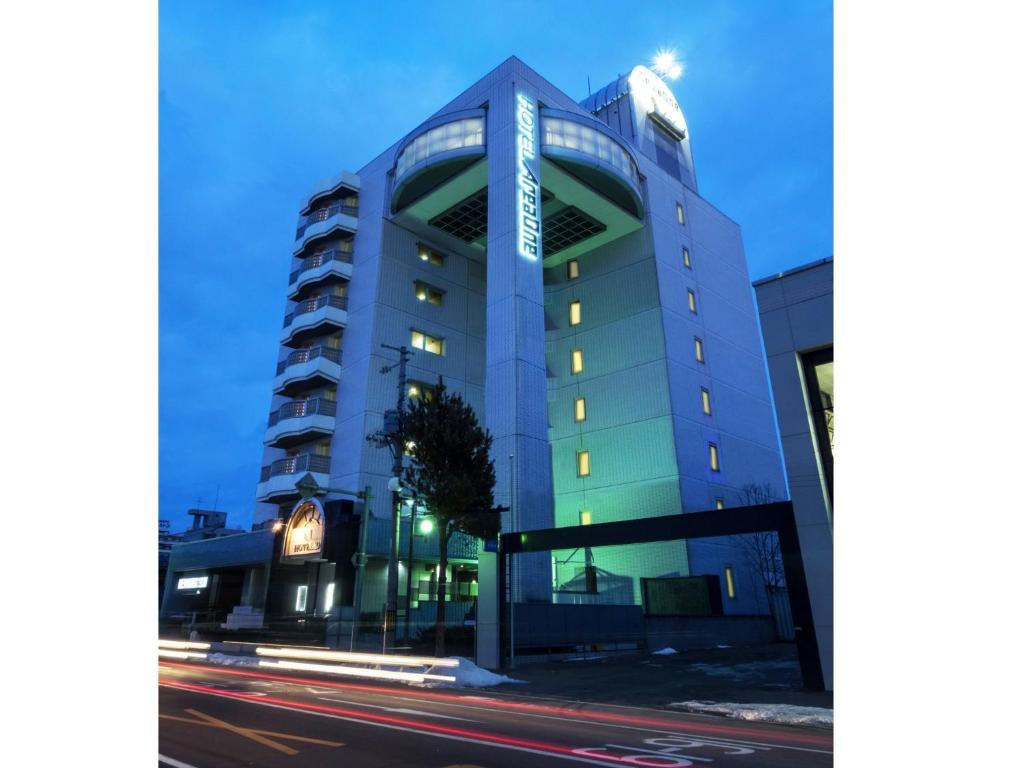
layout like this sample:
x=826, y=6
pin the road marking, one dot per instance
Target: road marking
x=172, y=762
x=399, y=710
x=256, y=734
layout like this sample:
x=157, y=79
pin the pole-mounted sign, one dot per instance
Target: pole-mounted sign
x=527, y=178
x=304, y=536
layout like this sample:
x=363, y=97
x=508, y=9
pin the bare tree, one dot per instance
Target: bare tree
x=762, y=549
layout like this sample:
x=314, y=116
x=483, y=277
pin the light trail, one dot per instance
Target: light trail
x=516, y=706
x=443, y=731
x=356, y=658
x=377, y=674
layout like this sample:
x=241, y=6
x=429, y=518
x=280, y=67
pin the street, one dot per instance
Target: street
x=214, y=716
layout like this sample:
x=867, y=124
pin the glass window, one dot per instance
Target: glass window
x=819, y=378
x=730, y=587
x=691, y=300
x=329, y=598
x=300, y=598
x=572, y=268
x=427, y=343
x=575, y=312
x=577, y=361
x=698, y=349
x=430, y=256
x=686, y=258
x=582, y=463
x=457, y=134
x=585, y=517
x=418, y=389
x=582, y=138
x=581, y=409
x=705, y=401
x=719, y=503
x=429, y=293
x=713, y=457
x=679, y=213
x=666, y=152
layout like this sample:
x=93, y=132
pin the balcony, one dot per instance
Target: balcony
x=337, y=217
x=314, y=317
x=306, y=368
x=299, y=421
x=318, y=268
x=277, y=480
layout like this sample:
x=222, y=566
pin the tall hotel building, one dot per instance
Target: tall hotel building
x=555, y=263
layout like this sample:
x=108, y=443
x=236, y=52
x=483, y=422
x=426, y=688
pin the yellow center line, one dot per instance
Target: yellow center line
x=255, y=734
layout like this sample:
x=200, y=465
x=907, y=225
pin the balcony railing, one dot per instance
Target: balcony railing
x=319, y=259
x=323, y=215
x=300, y=356
x=312, y=305
x=300, y=408
x=293, y=465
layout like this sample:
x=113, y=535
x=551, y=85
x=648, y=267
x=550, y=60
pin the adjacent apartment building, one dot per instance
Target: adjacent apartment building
x=555, y=262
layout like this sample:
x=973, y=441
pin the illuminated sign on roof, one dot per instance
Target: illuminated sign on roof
x=653, y=97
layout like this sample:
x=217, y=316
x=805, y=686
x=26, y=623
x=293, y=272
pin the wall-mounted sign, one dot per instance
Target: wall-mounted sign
x=527, y=178
x=304, y=536
x=653, y=97
x=193, y=582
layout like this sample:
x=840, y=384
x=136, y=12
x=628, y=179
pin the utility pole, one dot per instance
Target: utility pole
x=394, y=434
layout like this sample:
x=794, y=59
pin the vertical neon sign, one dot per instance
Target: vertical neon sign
x=527, y=174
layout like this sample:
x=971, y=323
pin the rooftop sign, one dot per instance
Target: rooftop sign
x=653, y=97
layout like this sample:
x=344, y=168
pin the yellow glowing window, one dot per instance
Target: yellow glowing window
x=427, y=343
x=572, y=269
x=705, y=401
x=686, y=258
x=585, y=517
x=414, y=391
x=698, y=349
x=719, y=503
x=428, y=293
x=713, y=457
x=691, y=300
x=430, y=256
x=575, y=312
x=679, y=213
x=730, y=587
x=577, y=361
x=583, y=463
x=581, y=409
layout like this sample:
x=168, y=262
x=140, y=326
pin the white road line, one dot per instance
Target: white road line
x=661, y=754
x=399, y=710
x=175, y=763
x=451, y=737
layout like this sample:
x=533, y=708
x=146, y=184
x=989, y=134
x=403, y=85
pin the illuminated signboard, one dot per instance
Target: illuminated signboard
x=193, y=582
x=527, y=175
x=304, y=536
x=654, y=97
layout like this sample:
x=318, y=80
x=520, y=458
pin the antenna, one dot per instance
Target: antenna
x=588, y=86
x=216, y=498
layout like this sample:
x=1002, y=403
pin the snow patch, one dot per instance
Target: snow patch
x=468, y=675
x=785, y=714
x=665, y=652
x=228, y=660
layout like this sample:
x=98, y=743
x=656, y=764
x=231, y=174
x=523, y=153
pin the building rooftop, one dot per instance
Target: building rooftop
x=793, y=271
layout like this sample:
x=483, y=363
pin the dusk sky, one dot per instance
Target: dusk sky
x=260, y=100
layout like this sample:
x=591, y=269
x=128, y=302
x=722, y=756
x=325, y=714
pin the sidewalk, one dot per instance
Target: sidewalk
x=765, y=674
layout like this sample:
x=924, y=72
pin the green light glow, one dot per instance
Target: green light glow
x=426, y=525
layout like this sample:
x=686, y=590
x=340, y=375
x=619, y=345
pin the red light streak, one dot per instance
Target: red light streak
x=518, y=706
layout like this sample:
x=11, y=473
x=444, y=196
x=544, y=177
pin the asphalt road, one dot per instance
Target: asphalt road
x=221, y=717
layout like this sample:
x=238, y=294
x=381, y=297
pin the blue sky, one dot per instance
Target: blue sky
x=258, y=100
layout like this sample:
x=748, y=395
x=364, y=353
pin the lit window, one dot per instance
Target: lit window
x=679, y=213
x=430, y=256
x=581, y=409
x=572, y=269
x=705, y=401
x=418, y=389
x=414, y=391
x=698, y=349
x=585, y=517
x=329, y=598
x=428, y=293
x=713, y=457
x=719, y=503
x=577, y=361
x=427, y=343
x=575, y=312
x=730, y=587
x=691, y=300
x=686, y=258
x=300, y=598
x=582, y=463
